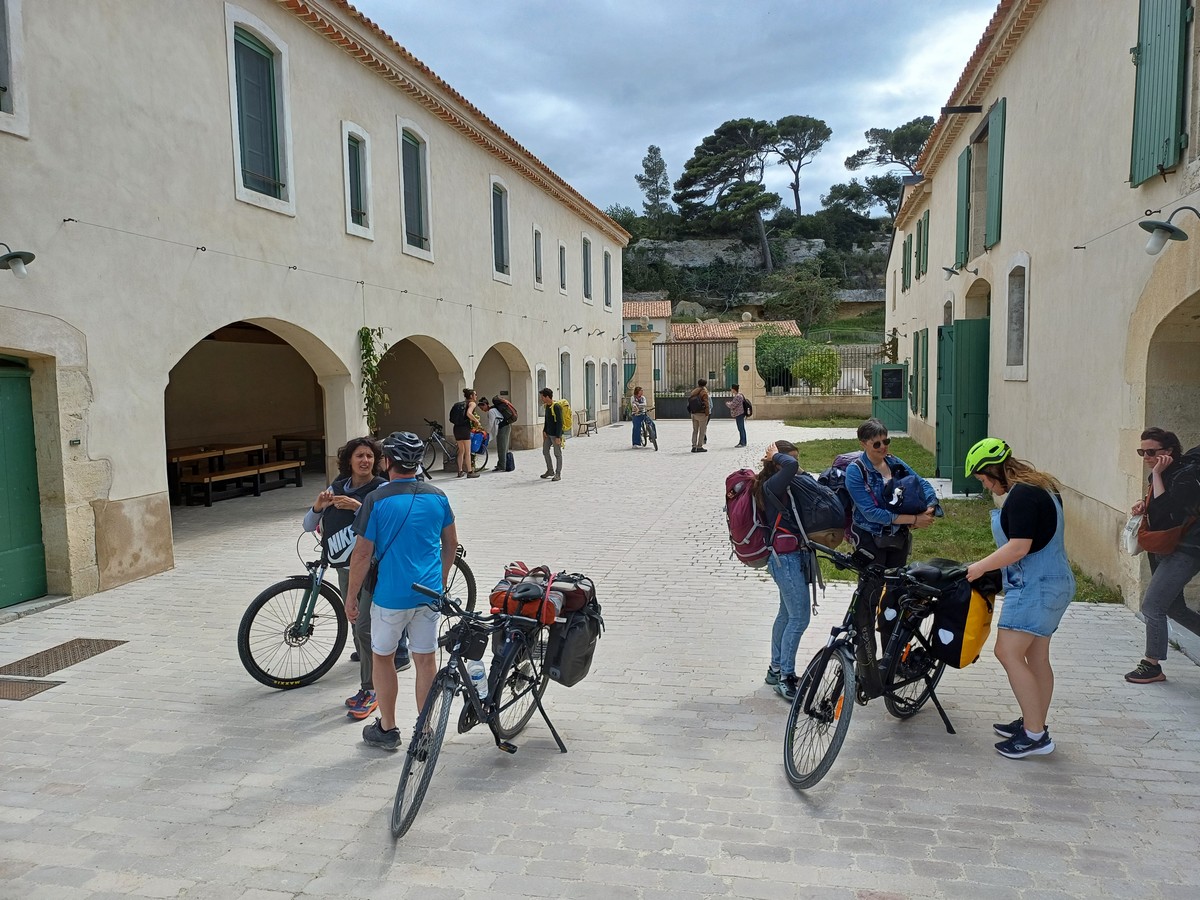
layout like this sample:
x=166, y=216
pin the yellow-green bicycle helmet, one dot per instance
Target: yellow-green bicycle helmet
x=988, y=452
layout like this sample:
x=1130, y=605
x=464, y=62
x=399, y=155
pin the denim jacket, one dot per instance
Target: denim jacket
x=867, y=515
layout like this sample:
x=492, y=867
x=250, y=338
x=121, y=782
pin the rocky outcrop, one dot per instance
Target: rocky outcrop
x=693, y=254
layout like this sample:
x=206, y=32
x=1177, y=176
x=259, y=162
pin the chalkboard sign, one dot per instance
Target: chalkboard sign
x=891, y=384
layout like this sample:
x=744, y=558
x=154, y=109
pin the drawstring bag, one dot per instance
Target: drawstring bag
x=1129, y=536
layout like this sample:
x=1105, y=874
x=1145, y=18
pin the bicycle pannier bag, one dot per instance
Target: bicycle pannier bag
x=695, y=403
x=962, y=621
x=572, y=645
x=458, y=413
x=577, y=590
x=479, y=440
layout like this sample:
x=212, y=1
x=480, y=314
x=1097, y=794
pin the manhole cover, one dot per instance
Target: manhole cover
x=23, y=690
x=42, y=664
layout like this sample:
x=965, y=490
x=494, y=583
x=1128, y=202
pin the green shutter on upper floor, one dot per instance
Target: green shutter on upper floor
x=906, y=263
x=925, y=242
x=995, y=174
x=1159, y=88
x=258, y=129
x=962, y=231
x=917, y=247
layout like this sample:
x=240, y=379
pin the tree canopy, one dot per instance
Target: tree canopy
x=899, y=146
x=862, y=197
x=657, y=187
x=799, y=140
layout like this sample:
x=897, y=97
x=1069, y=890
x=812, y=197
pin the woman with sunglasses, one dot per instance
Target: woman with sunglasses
x=1038, y=586
x=875, y=529
x=1174, y=496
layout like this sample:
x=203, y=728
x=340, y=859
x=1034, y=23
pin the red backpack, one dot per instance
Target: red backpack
x=747, y=533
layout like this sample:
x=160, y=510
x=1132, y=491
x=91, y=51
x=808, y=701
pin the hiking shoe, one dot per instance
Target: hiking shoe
x=772, y=676
x=787, y=686
x=1146, y=673
x=556, y=478
x=1021, y=745
x=354, y=701
x=1012, y=729
x=701, y=450
x=374, y=735
x=472, y=474
x=364, y=707
x=403, y=661
x=547, y=475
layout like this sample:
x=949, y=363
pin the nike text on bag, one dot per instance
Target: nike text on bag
x=962, y=619
x=572, y=645
x=458, y=413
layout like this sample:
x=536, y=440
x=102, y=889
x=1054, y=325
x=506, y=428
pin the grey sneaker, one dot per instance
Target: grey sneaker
x=1021, y=745
x=1146, y=673
x=787, y=687
x=374, y=735
x=1012, y=729
x=772, y=676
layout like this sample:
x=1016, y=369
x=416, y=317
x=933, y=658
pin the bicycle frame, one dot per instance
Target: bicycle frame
x=316, y=569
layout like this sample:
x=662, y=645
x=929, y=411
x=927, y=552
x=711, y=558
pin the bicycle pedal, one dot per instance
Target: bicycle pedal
x=507, y=747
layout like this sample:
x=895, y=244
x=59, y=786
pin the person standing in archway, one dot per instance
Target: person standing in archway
x=463, y=417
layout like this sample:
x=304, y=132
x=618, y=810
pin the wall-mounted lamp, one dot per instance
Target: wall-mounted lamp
x=593, y=333
x=16, y=260
x=951, y=271
x=572, y=328
x=1161, y=232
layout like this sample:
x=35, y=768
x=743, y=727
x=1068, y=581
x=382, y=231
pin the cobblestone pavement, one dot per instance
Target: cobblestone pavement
x=160, y=769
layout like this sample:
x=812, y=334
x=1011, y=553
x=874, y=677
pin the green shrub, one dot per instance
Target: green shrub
x=821, y=368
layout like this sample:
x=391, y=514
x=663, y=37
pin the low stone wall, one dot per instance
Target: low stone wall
x=795, y=406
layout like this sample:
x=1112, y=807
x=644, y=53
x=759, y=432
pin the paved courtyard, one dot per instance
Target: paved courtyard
x=161, y=769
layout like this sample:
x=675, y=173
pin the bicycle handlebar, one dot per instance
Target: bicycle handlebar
x=858, y=562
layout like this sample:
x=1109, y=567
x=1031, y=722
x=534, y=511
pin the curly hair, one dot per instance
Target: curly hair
x=345, y=454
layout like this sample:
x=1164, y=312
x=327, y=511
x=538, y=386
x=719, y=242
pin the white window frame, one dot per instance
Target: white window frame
x=236, y=17
x=585, y=267
x=605, y=375
x=562, y=268
x=15, y=119
x=350, y=130
x=606, y=275
x=539, y=258
x=403, y=125
x=1017, y=372
x=495, y=181
x=541, y=379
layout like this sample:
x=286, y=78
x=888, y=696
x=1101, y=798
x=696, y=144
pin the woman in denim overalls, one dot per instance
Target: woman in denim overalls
x=1038, y=586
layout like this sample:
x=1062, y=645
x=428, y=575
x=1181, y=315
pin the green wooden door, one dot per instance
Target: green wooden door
x=22, y=556
x=970, y=398
x=944, y=408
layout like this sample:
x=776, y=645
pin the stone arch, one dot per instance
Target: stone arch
x=423, y=379
x=503, y=369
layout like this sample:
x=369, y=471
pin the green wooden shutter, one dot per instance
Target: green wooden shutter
x=995, y=174
x=258, y=132
x=413, y=170
x=924, y=373
x=912, y=372
x=925, y=242
x=917, y=247
x=499, y=230
x=354, y=161
x=962, y=233
x=906, y=263
x=1159, y=85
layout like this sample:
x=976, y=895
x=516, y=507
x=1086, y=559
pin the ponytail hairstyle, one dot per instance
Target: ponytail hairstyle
x=468, y=393
x=769, y=468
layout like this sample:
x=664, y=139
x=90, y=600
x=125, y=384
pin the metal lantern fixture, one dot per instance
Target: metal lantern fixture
x=16, y=260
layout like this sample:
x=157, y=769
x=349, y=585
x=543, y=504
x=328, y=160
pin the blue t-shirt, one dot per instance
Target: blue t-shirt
x=404, y=520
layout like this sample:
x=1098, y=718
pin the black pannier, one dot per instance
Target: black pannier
x=573, y=644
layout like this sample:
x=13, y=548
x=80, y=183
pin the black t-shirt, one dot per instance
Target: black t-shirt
x=1029, y=512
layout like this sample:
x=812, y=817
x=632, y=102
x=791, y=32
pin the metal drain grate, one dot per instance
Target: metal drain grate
x=41, y=664
x=23, y=690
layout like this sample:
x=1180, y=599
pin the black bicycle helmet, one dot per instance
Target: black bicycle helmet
x=527, y=592
x=404, y=448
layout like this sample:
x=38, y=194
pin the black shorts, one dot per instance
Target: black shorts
x=462, y=432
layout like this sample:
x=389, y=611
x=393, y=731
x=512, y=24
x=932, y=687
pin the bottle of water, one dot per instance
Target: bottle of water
x=479, y=681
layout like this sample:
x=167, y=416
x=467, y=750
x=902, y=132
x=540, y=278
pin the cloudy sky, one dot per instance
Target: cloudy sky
x=588, y=86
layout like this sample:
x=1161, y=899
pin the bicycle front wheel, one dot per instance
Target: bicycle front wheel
x=479, y=460
x=280, y=650
x=462, y=581
x=912, y=673
x=650, y=437
x=430, y=457
x=518, y=689
x=820, y=717
x=421, y=758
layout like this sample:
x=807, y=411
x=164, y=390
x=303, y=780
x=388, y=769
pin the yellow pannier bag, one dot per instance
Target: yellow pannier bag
x=962, y=620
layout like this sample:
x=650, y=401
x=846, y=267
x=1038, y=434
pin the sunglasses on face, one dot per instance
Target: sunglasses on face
x=884, y=443
x=1151, y=453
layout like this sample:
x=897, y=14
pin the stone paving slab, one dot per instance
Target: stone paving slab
x=161, y=769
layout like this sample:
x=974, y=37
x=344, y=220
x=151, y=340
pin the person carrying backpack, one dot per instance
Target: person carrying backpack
x=792, y=571
x=552, y=435
x=699, y=407
x=508, y=415
x=463, y=417
x=737, y=409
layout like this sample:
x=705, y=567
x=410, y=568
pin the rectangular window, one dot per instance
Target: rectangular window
x=354, y=170
x=607, y=279
x=925, y=242
x=500, y=229
x=415, y=195
x=258, y=128
x=1159, y=88
x=6, y=87
x=537, y=256
x=587, y=269
x=916, y=263
x=906, y=263
x=1016, y=342
x=562, y=267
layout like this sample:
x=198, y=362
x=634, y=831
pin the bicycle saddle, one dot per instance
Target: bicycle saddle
x=937, y=573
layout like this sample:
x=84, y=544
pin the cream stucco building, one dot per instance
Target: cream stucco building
x=1018, y=278
x=219, y=196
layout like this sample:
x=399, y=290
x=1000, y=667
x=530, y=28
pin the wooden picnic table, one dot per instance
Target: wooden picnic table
x=215, y=454
x=313, y=441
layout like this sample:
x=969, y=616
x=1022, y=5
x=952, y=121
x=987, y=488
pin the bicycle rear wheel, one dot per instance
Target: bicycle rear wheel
x=420, y=759
x=649, y=436
x=276, y=650
x=462, y=581
x=817, y=728
x=430, y=457
x=518, y=690
x=479, y=460
x=912, y=673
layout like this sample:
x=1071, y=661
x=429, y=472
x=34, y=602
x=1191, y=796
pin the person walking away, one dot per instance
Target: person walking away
x=637, y=404
x=737, y=409
x=699, y=407
x=1038, y=586
x=552, y=435
x=508, y=415
x=792, y=571
x=468, y=420
x=409, y=527
x=1173, y=499
x=885, y=535
x=332, y=514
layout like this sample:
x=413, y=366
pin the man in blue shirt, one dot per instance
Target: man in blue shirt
x=408, y=526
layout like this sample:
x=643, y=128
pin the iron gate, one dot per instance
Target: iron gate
x=678, y=365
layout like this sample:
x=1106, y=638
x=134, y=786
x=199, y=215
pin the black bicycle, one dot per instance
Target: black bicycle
x=844, y=671
x=649, y=430
x=294, y=631
x=516, y=683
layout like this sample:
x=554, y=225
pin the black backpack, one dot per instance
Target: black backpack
x=508, y=412
x=696, y=403
x=458, y=413
x=748, y=408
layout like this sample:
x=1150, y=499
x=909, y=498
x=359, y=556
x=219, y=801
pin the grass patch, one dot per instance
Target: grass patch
x=815, y=456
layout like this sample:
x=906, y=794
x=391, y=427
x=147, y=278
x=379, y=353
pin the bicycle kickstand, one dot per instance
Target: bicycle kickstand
x=938, y=706
x=561, y=746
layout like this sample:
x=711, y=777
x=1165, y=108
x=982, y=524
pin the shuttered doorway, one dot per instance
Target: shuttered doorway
x=22, y=555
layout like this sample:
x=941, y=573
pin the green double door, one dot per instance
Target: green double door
x=962, y=397
x=22, y=555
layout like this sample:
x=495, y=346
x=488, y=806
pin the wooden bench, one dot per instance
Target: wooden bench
x=241, y=481
x=586, y=426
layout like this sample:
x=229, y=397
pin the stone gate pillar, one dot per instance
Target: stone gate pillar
x=748, y=378
x=643, y=373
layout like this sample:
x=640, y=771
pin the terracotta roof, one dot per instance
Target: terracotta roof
x=651, y=309
x=723, y=331
x=462, y=116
